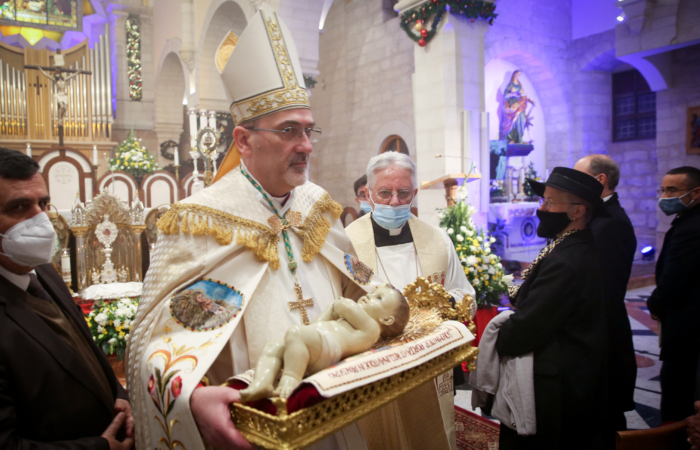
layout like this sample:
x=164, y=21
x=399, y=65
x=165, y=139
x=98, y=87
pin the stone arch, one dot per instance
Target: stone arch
x=171, y=89
x=223, y=16
x=395, y=128
x=554, y=95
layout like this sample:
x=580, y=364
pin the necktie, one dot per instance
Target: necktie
x=36, y=289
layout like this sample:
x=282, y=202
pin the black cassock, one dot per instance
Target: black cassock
x=560, y=317
x=615, y=244
x=676, y=300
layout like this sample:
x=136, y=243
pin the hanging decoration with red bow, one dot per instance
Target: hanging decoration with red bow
x=415, y=21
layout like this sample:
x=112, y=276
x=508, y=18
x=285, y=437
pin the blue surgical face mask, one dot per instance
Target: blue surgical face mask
x=365, y=207
x=391, y=217
x=674, y=205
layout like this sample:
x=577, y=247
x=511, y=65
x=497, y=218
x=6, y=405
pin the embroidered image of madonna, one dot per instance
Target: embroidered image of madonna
x=206, y=305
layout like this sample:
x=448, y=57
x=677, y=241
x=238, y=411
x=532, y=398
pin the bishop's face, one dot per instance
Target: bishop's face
x=279, y=162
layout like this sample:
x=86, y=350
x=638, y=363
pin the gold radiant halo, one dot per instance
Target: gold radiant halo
x=421, y=323
x=421, y=294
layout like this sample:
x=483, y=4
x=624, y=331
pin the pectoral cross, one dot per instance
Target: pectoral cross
x=301, y=304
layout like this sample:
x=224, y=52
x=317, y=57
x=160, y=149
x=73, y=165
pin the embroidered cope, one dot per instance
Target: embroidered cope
x=219, y=251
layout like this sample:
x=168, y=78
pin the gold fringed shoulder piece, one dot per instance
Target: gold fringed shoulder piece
x=316, y=227
x=199, y=220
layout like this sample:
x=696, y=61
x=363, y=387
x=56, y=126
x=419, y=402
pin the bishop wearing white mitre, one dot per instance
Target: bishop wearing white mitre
x=240, y=262
x=399, y=247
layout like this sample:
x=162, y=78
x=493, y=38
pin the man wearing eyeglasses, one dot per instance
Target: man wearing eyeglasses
x=261, y=239
x=399, y=247
x=676, y=299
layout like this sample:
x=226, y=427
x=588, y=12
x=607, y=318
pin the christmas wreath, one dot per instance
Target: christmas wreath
x=414, y=21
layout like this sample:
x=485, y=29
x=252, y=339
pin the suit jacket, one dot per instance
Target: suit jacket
x=560, y=317
x=48, y=398
x=676, y=299
x=615, y=245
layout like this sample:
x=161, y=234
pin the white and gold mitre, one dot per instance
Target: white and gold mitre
x=261, y=69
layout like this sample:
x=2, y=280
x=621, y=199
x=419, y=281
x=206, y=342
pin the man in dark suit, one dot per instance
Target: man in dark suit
x=615, y=245
x=57, y=390
x=676, y=299
x=560, y=318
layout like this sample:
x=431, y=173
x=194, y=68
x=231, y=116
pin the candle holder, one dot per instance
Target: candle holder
x=177, y=173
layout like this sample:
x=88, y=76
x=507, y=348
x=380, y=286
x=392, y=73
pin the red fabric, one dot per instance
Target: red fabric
x=481, y=320
x=304, y=397
x=85, y=306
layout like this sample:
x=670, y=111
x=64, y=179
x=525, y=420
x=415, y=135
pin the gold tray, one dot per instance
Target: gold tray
x=309, y=425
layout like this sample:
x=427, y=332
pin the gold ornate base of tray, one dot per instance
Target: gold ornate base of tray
x=309, y=425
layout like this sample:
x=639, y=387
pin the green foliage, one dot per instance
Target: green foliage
x=483, y=269
x=110, y=324
x=133, y=158
x=532, y=174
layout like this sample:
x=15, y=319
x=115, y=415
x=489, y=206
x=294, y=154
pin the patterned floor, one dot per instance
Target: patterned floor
x=647, y=395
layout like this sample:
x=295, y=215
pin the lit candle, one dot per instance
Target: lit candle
x=193, y=124
x=29, y=149
x=95, y=161
x=212, y=120
x=177, y=157
x=65, y=266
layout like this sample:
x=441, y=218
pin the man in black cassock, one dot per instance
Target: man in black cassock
x=615, y=244
x=560, y=317
x=676, y=299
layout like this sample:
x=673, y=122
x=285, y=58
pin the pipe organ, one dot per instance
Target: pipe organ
x=28, y=99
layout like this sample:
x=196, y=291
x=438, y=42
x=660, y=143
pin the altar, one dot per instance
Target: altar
x=514, y=225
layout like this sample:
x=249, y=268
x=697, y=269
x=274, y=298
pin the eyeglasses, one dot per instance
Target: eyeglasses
x=291, y=133
x=545, y=204
x=670, y=190
x=403, y=195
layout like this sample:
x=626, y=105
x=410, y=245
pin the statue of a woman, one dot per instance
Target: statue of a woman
x=514, y=118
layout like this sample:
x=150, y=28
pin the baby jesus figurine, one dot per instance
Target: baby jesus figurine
x=346, y=328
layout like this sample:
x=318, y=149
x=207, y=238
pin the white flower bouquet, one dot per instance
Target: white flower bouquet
x=133, y=158
x=483, y=268
x=110, y=324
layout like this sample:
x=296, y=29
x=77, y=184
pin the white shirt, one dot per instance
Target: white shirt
x=21, y=281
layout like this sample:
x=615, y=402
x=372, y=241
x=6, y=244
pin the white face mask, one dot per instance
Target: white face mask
x=29, y=243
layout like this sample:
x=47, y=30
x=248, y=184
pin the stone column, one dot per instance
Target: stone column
x=448, y=102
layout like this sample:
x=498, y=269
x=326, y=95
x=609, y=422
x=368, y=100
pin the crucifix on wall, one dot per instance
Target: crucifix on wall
x=57, y=74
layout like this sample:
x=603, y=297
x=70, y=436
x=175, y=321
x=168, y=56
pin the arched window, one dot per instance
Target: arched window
x=394, y=143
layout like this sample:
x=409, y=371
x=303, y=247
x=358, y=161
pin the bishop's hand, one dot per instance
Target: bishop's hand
x=210, y=409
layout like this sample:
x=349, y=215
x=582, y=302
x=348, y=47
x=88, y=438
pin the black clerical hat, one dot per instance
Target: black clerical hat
x=573, y=181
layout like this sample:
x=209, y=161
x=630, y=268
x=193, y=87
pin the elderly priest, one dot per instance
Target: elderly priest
x=560, y=317
x=399, y=247
x=242, y=261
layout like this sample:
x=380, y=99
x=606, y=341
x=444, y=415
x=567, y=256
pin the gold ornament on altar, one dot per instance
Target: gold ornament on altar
x=108, y=240
x=106, y=233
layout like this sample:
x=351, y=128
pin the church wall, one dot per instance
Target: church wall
x=671, y=107
x=364, y=89
x=168, y=25
x=535, y=36
x=637, y=188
